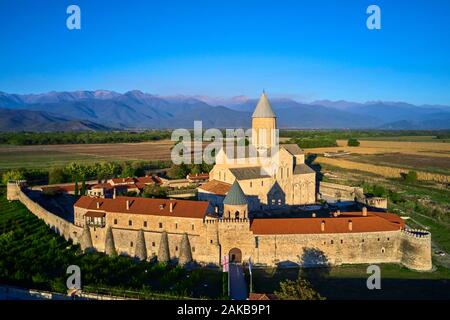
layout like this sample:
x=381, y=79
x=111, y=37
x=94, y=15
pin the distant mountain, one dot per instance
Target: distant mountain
x=26, y=120
x=136, y=109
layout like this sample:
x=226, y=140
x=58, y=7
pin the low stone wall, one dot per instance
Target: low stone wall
x=341, y=192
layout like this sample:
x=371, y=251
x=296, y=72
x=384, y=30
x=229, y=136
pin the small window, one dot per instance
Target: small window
x=362, y=240
x=262, y=183
x=176, y=248
x=131, y=244
x=342, y=241
x=251, y=184
x=256, y=242
x=378, y=239
x=160, y=225
x=153, y=244
x=193, y=227
x=115, y=221
x=193, y=249
x=383, y=250
x=176, y=226
x=387, y=239
x=130, y=223
x=145, y=224
x=332, y=242
x=210, y=241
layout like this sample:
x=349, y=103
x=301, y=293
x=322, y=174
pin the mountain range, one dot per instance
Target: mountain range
x=109, y=110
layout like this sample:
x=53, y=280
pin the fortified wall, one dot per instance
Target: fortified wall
x=61, y=226
x=212, y=238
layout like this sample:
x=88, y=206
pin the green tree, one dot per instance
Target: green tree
x=410, y=177
x=83, y=187
x=299, y=289
x=155, y=191
x=57, y=175
x=76, y=190
x=12, y=175
x=352, y=142
x=178, y=171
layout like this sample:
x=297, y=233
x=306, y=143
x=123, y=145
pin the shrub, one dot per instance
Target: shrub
x=299, y=289
x=352, y=142
x=12, y=175
x=409, y=177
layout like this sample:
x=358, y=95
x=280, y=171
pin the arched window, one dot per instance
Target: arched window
x=236, y=215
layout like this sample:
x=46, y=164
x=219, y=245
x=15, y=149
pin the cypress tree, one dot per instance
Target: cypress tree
x=76, y=190
x=83, y=187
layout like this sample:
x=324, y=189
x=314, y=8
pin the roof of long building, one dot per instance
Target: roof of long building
x=247, y=173
x=146, y=206
x=373, y=222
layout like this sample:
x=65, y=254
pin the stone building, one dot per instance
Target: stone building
x=276, y=174
x=332, y=239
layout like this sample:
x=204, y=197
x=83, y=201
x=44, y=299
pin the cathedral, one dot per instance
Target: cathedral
x=270, y=175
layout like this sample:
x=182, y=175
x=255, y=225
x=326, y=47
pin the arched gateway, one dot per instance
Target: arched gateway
x=235, y=255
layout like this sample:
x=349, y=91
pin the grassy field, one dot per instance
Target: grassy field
x=349, y=282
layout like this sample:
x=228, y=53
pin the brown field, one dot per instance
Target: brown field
x=434, y=149
x=385, y=171
x=159, y=150
x=416, y=162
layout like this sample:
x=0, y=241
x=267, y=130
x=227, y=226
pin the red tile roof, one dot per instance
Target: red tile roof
x=373, y=222
x=158, y=207
x=122, y=180
x=216, y=187
x=103, y=186
x=199, y=176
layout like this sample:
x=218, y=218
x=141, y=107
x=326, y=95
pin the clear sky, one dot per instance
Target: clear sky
x=305, y=50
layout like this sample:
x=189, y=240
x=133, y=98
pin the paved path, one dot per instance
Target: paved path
x=238, y=285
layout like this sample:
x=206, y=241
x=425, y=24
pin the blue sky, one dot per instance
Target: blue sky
x=305, y=50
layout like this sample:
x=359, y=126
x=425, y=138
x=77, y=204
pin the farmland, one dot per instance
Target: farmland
x=44, y=156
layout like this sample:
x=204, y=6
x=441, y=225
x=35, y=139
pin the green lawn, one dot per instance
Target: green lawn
x=349, y=282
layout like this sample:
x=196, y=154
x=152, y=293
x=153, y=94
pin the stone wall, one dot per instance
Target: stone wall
x=56, y=223
x=340, y=192
x=212, y=238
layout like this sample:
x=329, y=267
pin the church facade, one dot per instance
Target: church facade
x=276, y=175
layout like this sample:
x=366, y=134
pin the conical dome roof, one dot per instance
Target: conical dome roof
x=235, y=196
x=263, y=108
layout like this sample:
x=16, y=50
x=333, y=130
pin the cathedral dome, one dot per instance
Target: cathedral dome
x=235, y=196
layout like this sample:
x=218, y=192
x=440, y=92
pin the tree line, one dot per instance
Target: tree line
x=46, y=138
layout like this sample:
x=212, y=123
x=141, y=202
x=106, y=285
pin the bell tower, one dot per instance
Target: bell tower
x=263, y=125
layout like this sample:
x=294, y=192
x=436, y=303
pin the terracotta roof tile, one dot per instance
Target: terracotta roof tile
x=216, y=187
x=373, y=222
x=158, y=207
